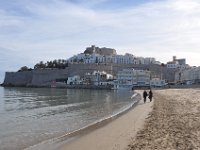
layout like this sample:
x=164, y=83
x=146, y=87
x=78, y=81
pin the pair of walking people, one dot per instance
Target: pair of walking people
x=145, y=94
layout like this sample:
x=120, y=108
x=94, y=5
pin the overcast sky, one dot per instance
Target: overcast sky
x=35, y=30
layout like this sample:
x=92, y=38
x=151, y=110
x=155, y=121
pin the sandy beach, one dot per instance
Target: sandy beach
x=174, y=123
x=170, y=122
x=116, y=135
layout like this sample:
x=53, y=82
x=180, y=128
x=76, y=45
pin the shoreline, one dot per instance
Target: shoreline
x=53, y=144
x=173, y=123
x=114, y=135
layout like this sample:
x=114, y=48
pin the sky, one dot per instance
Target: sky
x=31, y=31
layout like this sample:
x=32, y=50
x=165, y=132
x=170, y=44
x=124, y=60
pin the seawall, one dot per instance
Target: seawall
x=46, y=77
x=18, y=78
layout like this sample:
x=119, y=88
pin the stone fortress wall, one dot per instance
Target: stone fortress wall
x=45, y=77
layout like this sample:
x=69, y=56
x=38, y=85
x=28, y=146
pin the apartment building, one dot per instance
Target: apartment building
x=129, y=78
x=188, y=75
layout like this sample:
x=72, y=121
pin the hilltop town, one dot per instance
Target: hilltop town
x=104, y=68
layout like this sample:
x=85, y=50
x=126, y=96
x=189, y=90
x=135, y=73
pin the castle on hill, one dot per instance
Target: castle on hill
x=105, y=55
x=101, y=51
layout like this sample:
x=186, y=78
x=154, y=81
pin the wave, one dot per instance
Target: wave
x=56, y=142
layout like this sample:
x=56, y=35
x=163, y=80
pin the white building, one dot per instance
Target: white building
x=97, y=77
x=74, y=80
x=177, y=63
x=172, y=65
x=129, y=78
x=188, y=75
x=115, y=59
x=156, y=82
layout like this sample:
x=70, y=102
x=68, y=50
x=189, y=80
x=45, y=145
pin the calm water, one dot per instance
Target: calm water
x=29, y=116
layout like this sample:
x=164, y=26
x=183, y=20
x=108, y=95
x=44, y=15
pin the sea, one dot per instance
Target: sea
x=31, y=116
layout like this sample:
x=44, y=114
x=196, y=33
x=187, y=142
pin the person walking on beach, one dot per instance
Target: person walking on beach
x=150, y=95
x=145, y=95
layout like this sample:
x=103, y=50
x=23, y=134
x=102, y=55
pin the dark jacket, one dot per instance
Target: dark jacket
x=150, y=94
x=145, y=94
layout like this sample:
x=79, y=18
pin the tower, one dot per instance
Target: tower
x=174, y=58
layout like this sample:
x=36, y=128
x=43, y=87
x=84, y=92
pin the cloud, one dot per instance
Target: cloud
x=48, y=29
x=11, y=60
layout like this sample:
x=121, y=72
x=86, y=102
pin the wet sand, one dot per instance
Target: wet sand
x=116, y=135
x=174, y=123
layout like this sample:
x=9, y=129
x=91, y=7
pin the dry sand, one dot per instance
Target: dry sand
x=116, y=135
x=174, y=123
